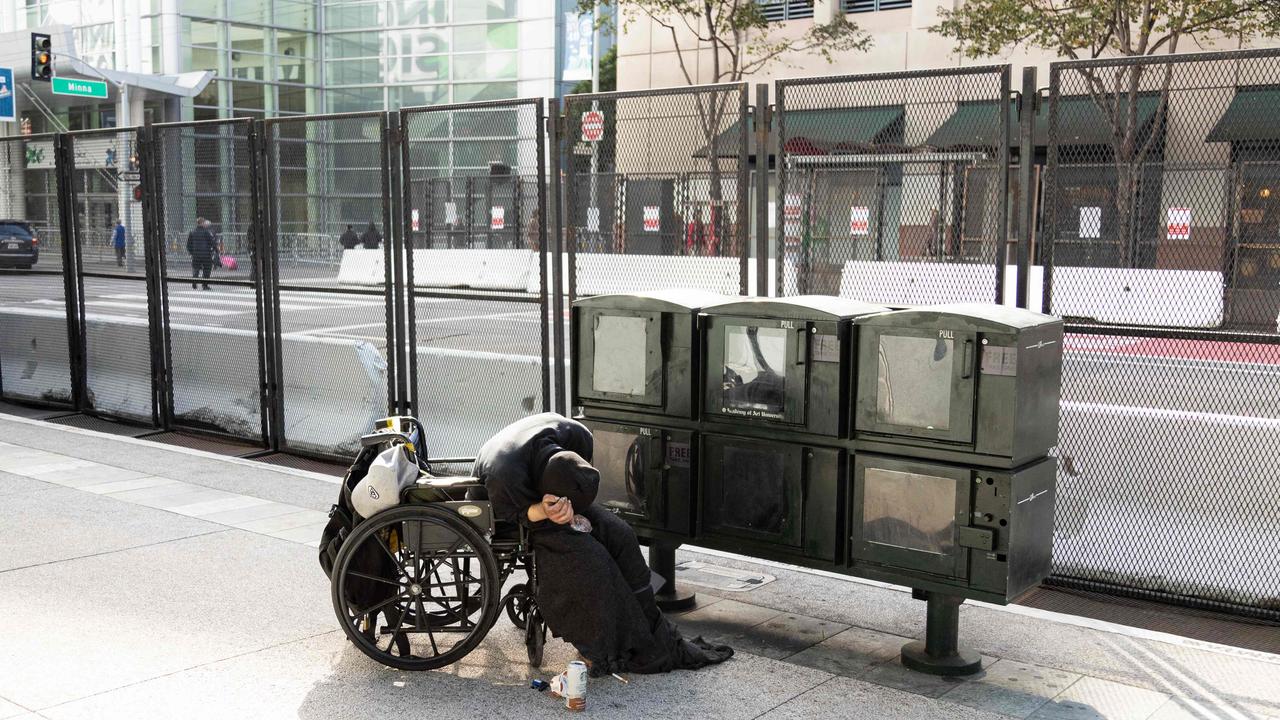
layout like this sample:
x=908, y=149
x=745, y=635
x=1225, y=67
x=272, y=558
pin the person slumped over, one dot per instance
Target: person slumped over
x=593, y=584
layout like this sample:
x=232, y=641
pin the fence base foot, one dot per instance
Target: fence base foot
x=662, y=560
x=940, y=652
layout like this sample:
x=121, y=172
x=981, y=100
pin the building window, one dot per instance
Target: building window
x=775, y=10
x=858, y=6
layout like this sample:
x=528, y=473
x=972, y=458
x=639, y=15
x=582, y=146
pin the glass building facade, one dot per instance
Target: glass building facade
x=273, y=58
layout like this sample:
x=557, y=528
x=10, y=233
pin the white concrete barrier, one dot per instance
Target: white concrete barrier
x=118, y=366
x=334, y=388
x=362, y=267
x=477, y=269
x=34, y=359
x=1169, y=298
x=465, y=396
x=600, y=273
x=916, y=283
x=215, y=378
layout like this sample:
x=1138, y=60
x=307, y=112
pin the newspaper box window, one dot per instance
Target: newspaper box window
x=645, y=476
x=963, y=382
x=634, y=353
x=780, y=363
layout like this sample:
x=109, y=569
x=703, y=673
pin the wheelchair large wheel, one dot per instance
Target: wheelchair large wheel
x=416, y=587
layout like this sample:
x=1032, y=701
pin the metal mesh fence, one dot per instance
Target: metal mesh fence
x=655, y=186
x=474, y=198
x=112, y=273
x=1162, y=250
x=890, y=187
x=325, y=174
x=35, y=360
x=214, y=334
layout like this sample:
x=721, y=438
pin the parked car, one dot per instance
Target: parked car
x=19, y=246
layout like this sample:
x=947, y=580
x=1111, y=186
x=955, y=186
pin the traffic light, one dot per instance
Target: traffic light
x=137, y=193
x=41, y=58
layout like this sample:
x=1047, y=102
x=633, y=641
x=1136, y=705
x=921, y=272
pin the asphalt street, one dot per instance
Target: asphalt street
x=497, y=326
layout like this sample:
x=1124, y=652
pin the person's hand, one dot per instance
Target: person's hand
x=558, y=510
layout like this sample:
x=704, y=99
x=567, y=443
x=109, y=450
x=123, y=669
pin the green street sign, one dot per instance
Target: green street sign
x=81, y=88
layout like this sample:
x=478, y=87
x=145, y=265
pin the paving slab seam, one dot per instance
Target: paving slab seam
x=188, y=669
x=144, y=492
x=172, y=448
x=104, y=553
x=1033, y=613
x=795, y=697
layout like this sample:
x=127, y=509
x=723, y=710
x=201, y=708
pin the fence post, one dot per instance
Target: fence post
x=1050, y=181
x=392, y=256
x=763, y=116
x=779, y=115
x=160, y=377
x=65, y=169
x=1002, y=155
x=555, y=128
x=1029, y=103
x=540, y=132
x=742, y=191
x=265, y=207
x=409, y=328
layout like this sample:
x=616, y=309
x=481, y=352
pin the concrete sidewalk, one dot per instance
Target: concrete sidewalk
x=139, y=580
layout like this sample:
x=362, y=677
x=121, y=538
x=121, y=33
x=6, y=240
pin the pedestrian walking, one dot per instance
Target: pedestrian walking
x=371, y=237
x=349, y=239
x=117, y=239
x=201, y=246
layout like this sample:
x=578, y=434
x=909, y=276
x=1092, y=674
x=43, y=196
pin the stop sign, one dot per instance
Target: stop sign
x=592, y=125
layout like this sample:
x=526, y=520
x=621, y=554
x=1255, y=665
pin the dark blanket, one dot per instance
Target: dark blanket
x=593, y=589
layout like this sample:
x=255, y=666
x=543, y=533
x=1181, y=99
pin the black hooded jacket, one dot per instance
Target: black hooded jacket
x=511, y=462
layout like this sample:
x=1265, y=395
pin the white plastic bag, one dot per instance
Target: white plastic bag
x=389, y=474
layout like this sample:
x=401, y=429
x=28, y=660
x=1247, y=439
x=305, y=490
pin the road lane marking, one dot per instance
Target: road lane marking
x=1150, y=413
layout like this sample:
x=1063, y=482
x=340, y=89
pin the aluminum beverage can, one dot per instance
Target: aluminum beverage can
x=575, y=686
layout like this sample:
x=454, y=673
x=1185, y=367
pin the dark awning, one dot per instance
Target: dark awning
x=1250, y=116
x=1080, y=122
x=973, y=125
x=830, y=131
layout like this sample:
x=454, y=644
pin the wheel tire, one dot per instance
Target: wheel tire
x=517, y=605
x=366, y=639
x=535, y=637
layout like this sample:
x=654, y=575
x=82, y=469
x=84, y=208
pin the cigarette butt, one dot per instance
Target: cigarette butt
x=622, y=679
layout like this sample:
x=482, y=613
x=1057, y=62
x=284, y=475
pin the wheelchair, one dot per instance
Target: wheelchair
x=419, y=585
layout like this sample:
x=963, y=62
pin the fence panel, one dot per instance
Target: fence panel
x=1162, y=250
x=35, y=358
x=111, y=275
x=213, y=327
x=656, y=190
x=474, y=194
x=333, y=307
x=893, y=188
